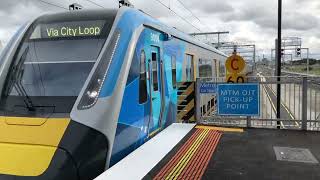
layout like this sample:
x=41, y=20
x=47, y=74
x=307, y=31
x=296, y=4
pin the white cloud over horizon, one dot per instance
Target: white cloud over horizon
x=253, y=21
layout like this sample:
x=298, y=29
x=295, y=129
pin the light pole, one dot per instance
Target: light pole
x=278, y=70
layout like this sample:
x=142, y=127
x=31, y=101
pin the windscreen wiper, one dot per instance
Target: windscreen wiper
x=16, y=78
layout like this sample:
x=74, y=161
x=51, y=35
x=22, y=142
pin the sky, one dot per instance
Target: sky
x=248, y=21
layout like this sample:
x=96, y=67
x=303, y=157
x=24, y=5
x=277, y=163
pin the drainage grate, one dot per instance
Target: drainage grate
x=294, y=154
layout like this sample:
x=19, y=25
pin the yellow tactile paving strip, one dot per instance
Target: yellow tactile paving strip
x=192, y=158
x=187, y=156
x=239, y=130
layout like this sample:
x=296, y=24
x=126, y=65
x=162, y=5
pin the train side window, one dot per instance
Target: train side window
x=174, y=71
x=154, y=70
x=214, y=69
x=205, y=68
x=222, y=69
x=218, y=69
x=143, y=79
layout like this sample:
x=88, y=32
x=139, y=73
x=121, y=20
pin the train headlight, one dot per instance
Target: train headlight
x=92, y=92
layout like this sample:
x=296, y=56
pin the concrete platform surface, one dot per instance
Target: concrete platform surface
x=250, y=155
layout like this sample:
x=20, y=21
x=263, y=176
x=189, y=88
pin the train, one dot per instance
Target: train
x=81, y=90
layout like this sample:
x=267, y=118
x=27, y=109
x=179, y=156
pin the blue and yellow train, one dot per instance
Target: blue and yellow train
x=81, y=90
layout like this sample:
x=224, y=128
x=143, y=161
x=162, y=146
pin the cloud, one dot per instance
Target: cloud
x=300, y=21
x=266, y=18
x=14, y=13
x=247, y=20
x=210, y=6
x=154, y=8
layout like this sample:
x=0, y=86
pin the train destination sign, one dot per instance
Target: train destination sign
x=238, y=99
x=73, y=31
x=68, y=29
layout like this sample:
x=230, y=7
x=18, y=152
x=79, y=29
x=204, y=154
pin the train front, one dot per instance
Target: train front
x=43, y=70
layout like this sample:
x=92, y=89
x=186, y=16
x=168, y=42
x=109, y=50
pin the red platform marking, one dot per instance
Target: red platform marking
x=198, y=162
x=176, y=158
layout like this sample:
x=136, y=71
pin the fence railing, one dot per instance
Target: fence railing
x=299, y=106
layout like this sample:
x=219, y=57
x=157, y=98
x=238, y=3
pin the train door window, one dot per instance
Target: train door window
x=189, y=67
x=154, y=70
x=142, y=79
x=174, y=71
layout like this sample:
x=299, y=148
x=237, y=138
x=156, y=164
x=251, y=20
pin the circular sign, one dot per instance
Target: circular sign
x=235, y=64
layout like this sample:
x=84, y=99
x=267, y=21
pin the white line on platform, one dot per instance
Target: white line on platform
x=137, y=164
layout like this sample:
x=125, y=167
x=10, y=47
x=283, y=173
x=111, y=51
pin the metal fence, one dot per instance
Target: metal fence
x=300, y=104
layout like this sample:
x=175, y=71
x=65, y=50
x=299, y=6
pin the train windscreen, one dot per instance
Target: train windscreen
x=52, y=65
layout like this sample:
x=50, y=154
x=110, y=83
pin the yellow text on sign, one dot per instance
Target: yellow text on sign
x=235, y=64
x=236, y=78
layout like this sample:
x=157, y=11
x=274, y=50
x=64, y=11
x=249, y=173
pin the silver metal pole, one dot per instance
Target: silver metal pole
x=248, y=121
x=304, y=103
x=218, y=41
x=197, y=91
x=307, y=60
x=254, y=57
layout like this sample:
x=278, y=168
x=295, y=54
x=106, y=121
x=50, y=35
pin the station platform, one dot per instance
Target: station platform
x=207, y=152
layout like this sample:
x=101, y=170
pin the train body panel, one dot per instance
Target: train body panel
x=117, y=93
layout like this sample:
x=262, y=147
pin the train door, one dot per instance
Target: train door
x=155, y=90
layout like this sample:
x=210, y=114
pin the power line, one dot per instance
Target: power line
x=184, y=19
x=189, y=10
x=184, y=6
x=92, y=2
x=55, y=5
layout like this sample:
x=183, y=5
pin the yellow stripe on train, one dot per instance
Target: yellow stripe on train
x=27, y=145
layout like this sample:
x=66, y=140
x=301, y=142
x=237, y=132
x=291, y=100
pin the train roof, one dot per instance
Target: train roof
x=181, y=35
x=78, y=15
x=112, y=13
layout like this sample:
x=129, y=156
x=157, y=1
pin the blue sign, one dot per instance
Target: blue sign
x=208, y=87
x=239, y=99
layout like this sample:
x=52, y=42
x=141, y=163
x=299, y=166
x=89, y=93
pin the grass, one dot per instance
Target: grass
x=313, y=69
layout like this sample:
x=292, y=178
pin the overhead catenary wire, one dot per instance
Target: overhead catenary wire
x=52, y=4
x=184, y=19
x=59, y=6
x=92, y=2
x=189, y=10
x=196, y=17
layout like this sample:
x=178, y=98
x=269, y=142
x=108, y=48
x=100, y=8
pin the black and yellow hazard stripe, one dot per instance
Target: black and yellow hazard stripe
x=186, y=102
